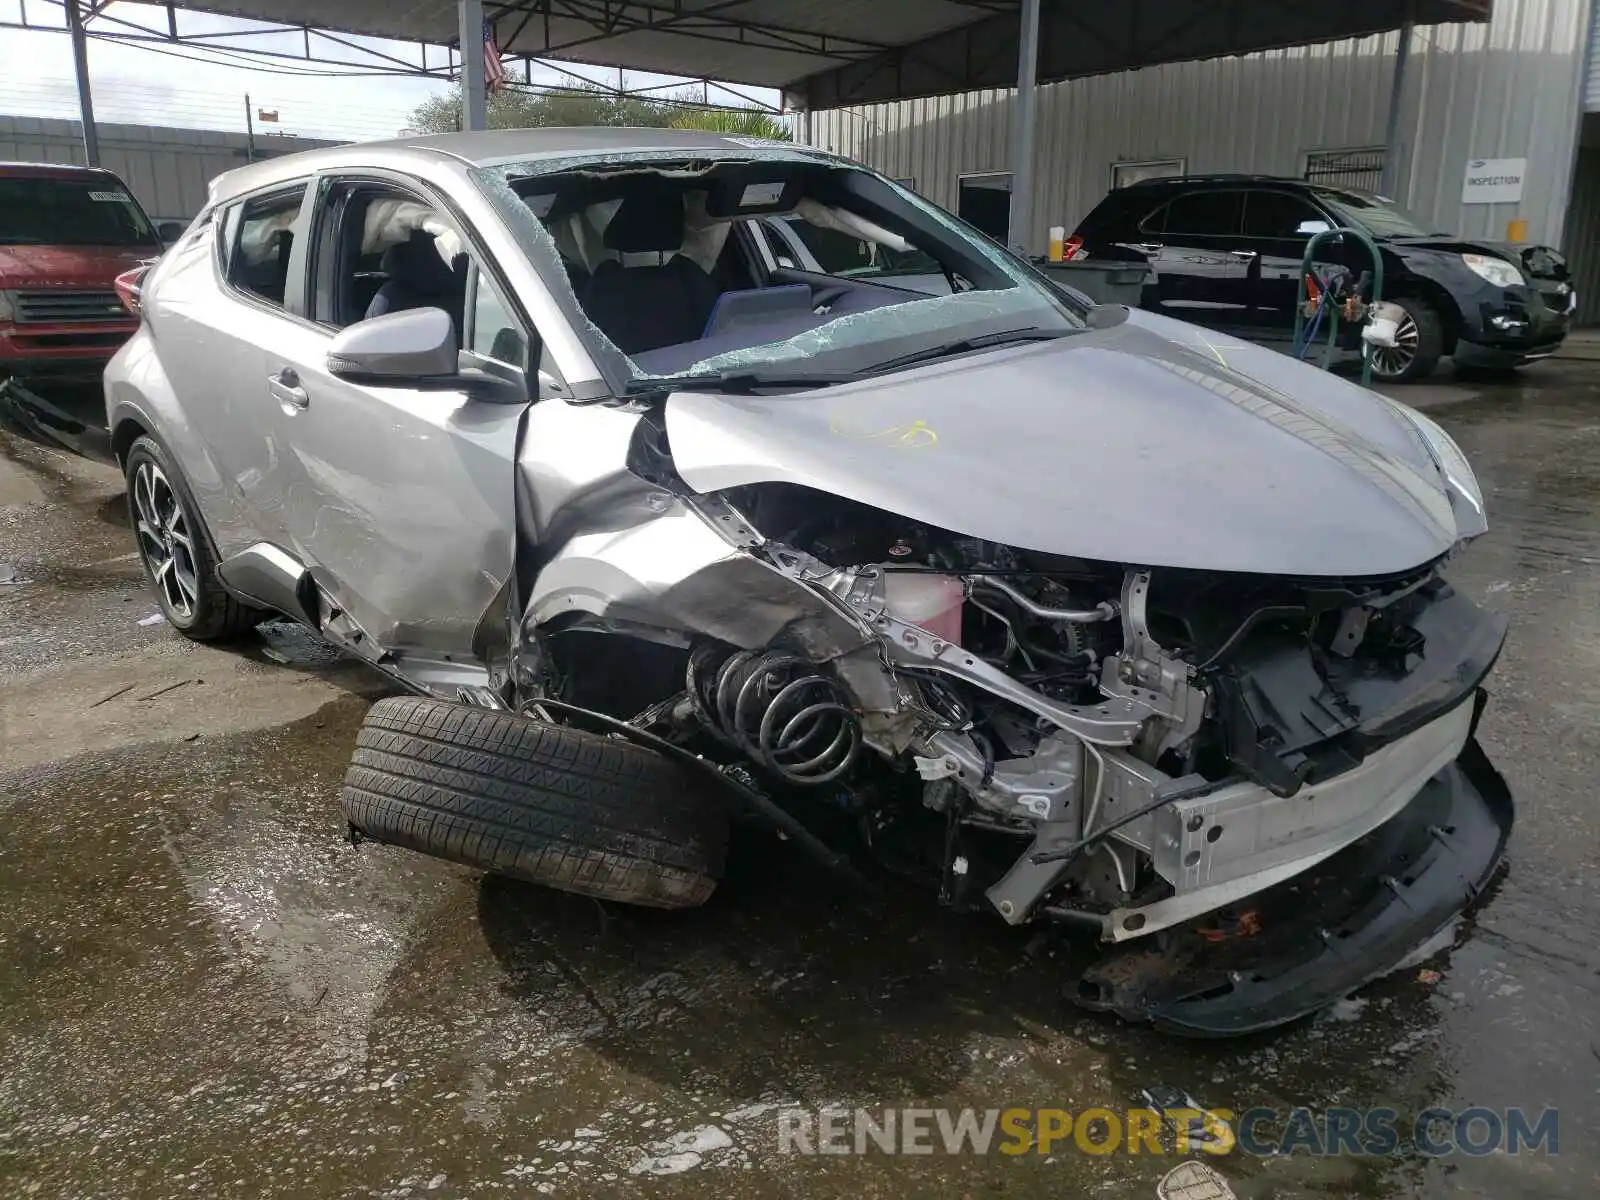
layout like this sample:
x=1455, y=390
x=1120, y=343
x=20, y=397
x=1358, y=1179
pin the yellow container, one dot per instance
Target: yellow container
x=1058, y=243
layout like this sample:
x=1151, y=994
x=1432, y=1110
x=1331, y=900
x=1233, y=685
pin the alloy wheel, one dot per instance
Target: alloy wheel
x=1392, y=361
x=166, y=539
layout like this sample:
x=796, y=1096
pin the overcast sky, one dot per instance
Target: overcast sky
x=144, y=86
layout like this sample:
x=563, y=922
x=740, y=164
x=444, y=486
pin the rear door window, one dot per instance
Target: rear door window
x=267, y=227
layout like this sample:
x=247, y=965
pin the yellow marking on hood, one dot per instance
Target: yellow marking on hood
x=916, y=435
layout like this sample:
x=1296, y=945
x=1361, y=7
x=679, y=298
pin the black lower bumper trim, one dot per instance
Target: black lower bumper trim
x=83, y=433
x=1300, y=946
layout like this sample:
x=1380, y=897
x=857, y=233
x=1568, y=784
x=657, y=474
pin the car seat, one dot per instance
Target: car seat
x=419, y=278
x=642, y=308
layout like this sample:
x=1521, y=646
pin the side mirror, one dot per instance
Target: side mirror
x=414, y=347
x=1311, y=228
x=417, y=349
x=170, y=231
x=786, y=262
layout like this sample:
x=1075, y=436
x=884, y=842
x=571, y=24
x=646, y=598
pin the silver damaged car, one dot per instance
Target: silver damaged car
x=1093, y=622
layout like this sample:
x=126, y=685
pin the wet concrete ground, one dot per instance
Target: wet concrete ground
x=204, y=990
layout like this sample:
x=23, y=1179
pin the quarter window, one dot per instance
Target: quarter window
x=267, y=229
x=495, y=332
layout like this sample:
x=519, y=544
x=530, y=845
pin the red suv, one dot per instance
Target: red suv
x=66, y=233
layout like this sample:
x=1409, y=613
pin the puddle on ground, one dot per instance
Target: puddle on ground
x=204, y=989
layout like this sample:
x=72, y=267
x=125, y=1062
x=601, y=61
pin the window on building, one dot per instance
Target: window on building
x=1125, y=174
x=984, y=202
x=1361, y=167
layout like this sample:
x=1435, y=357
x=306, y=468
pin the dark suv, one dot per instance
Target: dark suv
x=1225, y=251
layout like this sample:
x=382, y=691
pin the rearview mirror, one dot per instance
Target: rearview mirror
x=412, y=347
x=170, y=231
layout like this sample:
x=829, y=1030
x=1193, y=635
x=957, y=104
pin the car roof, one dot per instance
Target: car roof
x=1219, y=177
x=490, y=148
x=39, y=170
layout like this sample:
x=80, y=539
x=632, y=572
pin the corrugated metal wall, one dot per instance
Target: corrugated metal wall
x=168, y=169
x=1506, y=89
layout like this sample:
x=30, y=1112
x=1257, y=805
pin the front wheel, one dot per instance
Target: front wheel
x=1419, y=344
x=543, y=803
x=176, y=551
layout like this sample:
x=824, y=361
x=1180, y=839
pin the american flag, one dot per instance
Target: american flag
x=494, y=75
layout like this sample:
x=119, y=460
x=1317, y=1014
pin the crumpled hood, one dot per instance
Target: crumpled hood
x=1153, y=442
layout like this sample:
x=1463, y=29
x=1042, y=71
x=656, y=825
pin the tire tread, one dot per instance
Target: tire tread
x=544, y=803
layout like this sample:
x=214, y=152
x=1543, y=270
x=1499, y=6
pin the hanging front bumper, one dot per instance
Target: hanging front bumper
x=1308, y=941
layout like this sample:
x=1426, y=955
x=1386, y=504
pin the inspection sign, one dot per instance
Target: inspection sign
x=1494, y=181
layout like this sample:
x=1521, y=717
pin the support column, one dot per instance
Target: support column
x=80, y=68
x=473, y=98
x=1021, y=222
x=1390, y=180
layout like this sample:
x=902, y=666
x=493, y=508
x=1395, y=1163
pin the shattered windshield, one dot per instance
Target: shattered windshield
x=675, y=268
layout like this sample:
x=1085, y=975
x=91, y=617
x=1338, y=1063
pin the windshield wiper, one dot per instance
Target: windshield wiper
x=980, y=341
x=739, y=381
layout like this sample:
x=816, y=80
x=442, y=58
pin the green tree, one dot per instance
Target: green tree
x=512, y=108
x=744, y=122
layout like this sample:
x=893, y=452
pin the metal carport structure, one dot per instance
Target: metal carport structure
x=828, y=53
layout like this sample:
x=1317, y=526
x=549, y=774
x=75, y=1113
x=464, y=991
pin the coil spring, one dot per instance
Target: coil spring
x=779, y=709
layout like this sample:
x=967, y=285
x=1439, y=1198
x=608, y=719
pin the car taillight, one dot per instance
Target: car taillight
x=129, y=285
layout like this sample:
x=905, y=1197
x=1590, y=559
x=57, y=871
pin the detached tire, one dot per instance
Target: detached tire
x=544, y=803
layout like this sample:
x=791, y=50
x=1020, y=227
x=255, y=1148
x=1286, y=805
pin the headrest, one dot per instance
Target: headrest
x=417, y=260
x=650, y=218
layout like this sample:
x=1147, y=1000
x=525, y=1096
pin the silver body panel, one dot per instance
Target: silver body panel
x=1096, y=446
x=395, y=518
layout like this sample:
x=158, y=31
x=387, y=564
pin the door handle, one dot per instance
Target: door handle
x=285, y=388
x=1247, y=255
x=1150, y=247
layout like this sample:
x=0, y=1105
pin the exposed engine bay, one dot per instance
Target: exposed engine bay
x=1097, y=746
x=1083, y=622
